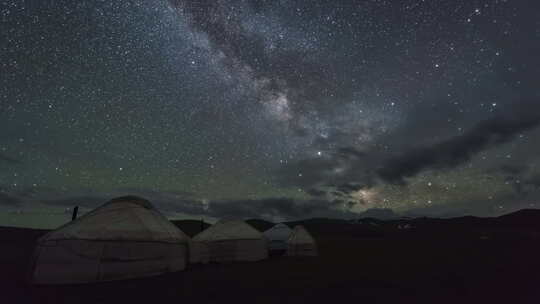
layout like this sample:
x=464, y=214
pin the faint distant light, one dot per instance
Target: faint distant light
x=436, y=65
x=300, y=174
x=429, y=201
x=429, y=184
x=319, y=153
x=392, y=104
x=121, y=169
x=193, y=62
x=508, y=156
x=497, y=54
x=494, y=104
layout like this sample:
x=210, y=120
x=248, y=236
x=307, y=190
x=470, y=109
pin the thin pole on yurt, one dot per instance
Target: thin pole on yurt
x=74, y=215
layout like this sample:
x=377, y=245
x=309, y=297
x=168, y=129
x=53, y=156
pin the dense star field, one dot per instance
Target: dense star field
x=274, y=109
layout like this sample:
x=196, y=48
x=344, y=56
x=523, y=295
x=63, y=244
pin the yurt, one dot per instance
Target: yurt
x=277, y=237
x=228, y=241
x=301, y=243
x=124, y=238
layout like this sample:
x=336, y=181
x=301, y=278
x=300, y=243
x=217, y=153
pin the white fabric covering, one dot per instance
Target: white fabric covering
x=301, y=243
x=124, y=238
x=277, y=236
x=228, y=241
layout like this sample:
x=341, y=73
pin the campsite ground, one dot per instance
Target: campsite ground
x=436, y=266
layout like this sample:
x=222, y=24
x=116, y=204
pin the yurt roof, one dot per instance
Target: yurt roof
x=300, y=236
x=127, y=218
x=279, y=231
x=228, y=230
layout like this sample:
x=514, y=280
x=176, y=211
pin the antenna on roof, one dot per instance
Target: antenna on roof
x=74, y=215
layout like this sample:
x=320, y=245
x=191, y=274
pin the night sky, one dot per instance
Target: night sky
x=274, y=109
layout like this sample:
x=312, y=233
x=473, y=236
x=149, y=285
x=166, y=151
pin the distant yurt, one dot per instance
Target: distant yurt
x=228, y=241
x=301, y=243
x=277, y=237
x=124, y=238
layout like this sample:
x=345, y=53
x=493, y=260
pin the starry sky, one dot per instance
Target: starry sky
x=274, y=109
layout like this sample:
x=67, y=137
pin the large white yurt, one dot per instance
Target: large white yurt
x=124, y=238
x=228, y=241
x=301, y=243
x=277, y=237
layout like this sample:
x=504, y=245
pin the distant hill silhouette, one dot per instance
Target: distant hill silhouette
x=523, y=213
x=379, y=213
x=524, y=218
x=260, y=224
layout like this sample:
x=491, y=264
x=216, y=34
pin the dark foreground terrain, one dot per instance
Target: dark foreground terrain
x=464, y=260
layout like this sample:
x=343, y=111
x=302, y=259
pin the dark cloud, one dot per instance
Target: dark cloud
x=9, y=160
x=349, y=169
x=307, y=172
x=497, y=205
x=170, y=202
x=277, y=207
x=9, y=200
x=42, y=193
x=513, y=169
x=164, y=201
x=349, y=187
x=316, y=192
x=460, y=149
x=350, y=152
x=533, y=180
x=72, y=201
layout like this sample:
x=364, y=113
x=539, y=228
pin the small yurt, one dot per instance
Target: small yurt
x=277, y=237
x=228, y=241
x=301, y=243
x=124, y=238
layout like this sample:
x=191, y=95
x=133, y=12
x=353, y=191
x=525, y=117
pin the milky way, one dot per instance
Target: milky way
x=275, y=109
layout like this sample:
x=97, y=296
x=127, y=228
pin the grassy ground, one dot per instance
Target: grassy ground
x=391, y=269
